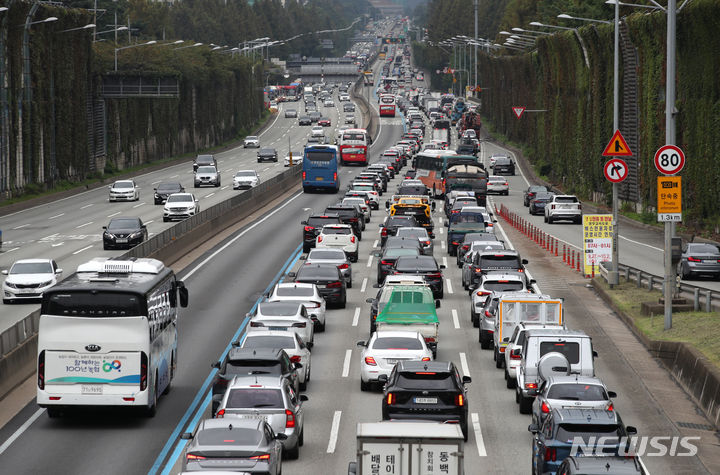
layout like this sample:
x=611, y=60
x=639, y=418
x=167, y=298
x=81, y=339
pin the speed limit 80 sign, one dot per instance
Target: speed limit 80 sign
x=669, y=159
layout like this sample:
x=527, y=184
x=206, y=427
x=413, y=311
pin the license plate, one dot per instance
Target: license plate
x=121, y=241
x=391, y=360
x=425, y=400
x=253, y=416
x=318, y=178
x=709, y=261
x=91, y=389
x=277, y=328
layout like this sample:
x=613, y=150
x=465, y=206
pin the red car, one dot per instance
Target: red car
x=324, y=121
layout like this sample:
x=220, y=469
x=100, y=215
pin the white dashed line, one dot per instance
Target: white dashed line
x=138, y=205
x=442, y=244
x=478, y=435
x=464, y=364
x=86, y=206
x=155, y=182
x=209, y=195
x=224, y=187
x=334, y=431
x=375, y=243
x=449, y=286
x=148, y=222
x=83, y=249
x=456, y=322
x=83, y=225
x=13, y=249
x=174, y=176
x=57, y=216
x=21, y=226
x=346, y=363
x=356, y=317
x=370, y=259
x=114, y=214
x=445, y=261
x=364, y=285
x=441, y=231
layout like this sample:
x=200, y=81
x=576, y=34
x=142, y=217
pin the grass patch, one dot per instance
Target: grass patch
x=698, y=329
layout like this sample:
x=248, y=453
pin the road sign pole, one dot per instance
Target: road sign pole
x=669, y=139
x=613, y=275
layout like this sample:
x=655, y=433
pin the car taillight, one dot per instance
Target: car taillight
x=459, y=400
x=334, y=285
x=256, y=324
x=289, y=419
x=41, y=370
x=373, y=193
x=352, y=238
x=308, y=229
x=478, y=270
x=386, y=263
x=481, y=293
x=530, y=385
x=552, y=206
x=299, y=325
x=262, y=456
x=194, y=457
x=465, y=247
x=429, y=339
x=514, y=356
x=425, y=358
x=427, y=243
x=455, y=243
x=487, y=314
x=693, y=259
x=344, y=266
x=335, y=176
x=143, y=371
x=370, y=361
x=304, y=175
x=391, y=399
x=545, y=408
x=435, y=275
x=579, y=206
x=550, y=454
x=383, y=232
x=319, y=238
x=610, y=407
x=220, y=414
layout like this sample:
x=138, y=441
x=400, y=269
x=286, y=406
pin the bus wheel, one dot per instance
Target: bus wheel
x=152, y=410
x=172, y=374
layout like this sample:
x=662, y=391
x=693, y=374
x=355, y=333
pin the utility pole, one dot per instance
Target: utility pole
x=475, y=81
x=669, y=282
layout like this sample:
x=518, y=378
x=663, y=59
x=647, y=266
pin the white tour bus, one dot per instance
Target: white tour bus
x=108, y=335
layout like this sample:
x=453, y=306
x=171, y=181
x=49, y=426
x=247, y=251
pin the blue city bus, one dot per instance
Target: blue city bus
x=320, y=168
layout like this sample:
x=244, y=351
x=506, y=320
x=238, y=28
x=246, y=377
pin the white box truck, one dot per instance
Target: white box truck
x=408, y=448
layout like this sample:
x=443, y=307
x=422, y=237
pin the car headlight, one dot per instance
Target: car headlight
x=157, y=196
x=45, y=284
x=136, y=234
x=11, y=285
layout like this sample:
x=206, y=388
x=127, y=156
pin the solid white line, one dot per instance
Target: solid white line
x=83, y=225
x=464, y=364
x=114, y=214
x=346, y=363
x=13, y=249
x=334, y=431
x=81, y=250
x=356, y=317
x=478, y=435
x=209, y=195
x=449, y=286
x=20, y=430
x=376, y=243
x=456, y=322
x=57, y=216
x=22, y=226
x=364, y=285
x=370, y=258
x=445, y=261
x=155, y=182
x=174, y=176
x=233, y=240
x=86, y=206
x=138, y=205
x=642, y=244
x=48, y=237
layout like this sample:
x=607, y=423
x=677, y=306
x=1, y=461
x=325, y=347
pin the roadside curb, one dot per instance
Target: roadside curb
x=687, y=366
x=41, y=200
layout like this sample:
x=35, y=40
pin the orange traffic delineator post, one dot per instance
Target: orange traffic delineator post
x=556, y=247
x=564, y=255
x=578, y=262
x=593, y=270
x=572, y=261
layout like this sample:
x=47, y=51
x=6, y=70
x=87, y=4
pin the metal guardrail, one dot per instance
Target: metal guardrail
x=699, y=295
x=24, y=329
x=140, y=87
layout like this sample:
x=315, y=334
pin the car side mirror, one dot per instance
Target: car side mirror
x=387, y=205
x=376, y=286
x=58, y=271
x=595, y=354
x=377, y=254
x=292, y=275
x=143, y=226
x=524, y=261
x=533, y=428
x=104, y=227
x=235, y=344
x=612, y=394
x=631, y=430
x=186, y=436
x=184, y=296
x=433, y=206
x=216, y=365
x=297, y=365
x=466, y=379
x=532, y=392
x=383, y=379
x=281, y=436
x=442, y=266
x=506, y=339
x=533, y=281
x=361, y=343
x=446, y=224
x=154, y=189
x=303, y=222
x=303, y=257
x=437, y=303
x=304, y=398
x=5, y=272
x=367, y=300
x=309, y=345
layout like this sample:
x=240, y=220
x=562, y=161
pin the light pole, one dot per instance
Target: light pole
x=565, y=16
x=152, y=42
x=537, y=23
x=532, y=32
x=115, y=30
x=669, y=140
x=4, y=128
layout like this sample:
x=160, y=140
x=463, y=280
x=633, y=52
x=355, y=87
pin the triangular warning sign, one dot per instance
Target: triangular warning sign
x=617, y=147
x=518, y=110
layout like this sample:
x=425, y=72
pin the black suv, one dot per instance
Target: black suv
x=166, y=189
x=553, y=439
x=349, y=214
x=431, y=390
x=329, y=280
x=204, y=160
x=425, y=266
x=267, y=155
x=392, y=223
x=504, y=166
x=499, y=259
x=252, y=361
x=312, y=227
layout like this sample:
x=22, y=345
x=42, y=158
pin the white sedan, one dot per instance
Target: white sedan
x=297, y=158
x=294, y=346
x=306, y=294
x=251, y=141
x=385, y=349
x=27, y=279
x=329, y=103
x=180, y=206
x=288, y=316
x=245, y=179
x=498, y=184
x=124, y=190
x=317, y=131
x=338, y=236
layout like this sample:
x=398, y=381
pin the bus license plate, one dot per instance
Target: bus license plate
x=91, y=389
x=318, y=178
x=425, y=400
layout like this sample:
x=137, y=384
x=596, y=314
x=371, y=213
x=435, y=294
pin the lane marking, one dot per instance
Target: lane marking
x=174, y=176
x=138, y=205
x=375, y=244
x=81, y=250
x=86, y=206
x=209, y=195
x=83, y=225
x=225, y=187
x=356, y=317
x=57, y=216
x=114, y=214
x=13, y=249
x=364, y=285
x=369, y=262
x=456, y=322
x=449, y=286
x=48, y=237
x=58, y=244
x=334, y=431
x=479, y=442
x=346, y=363
x=20, y=430
x=464, y=364
x=155, y=182
x=442, y=244
x=441, y=231
x=21, y=226
x=445, y=261
x=151, y=221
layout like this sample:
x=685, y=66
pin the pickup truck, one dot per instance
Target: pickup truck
x=563, y=207
x=408, y=448
x=411, y=307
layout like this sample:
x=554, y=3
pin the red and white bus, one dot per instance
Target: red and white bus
x=387, y=105
x=353, y=146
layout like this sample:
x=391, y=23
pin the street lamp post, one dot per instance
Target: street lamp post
x=152, y=42
x=670, y=140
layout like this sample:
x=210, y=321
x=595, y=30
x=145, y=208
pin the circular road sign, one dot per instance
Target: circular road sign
x=669, y=159
x=615, y=170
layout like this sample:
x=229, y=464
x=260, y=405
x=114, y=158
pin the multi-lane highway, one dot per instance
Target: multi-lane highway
x=227, y=281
